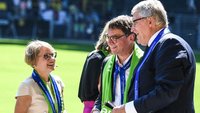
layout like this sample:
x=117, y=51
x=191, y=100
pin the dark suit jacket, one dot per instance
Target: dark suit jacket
x=166, y=81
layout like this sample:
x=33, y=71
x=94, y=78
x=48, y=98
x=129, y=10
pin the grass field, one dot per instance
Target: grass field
x=70, y=60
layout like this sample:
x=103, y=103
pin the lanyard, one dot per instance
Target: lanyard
x=41, y=84
x=136, y=83
x=121, y=71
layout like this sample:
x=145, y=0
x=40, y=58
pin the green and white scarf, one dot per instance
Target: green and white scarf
x=108, y=76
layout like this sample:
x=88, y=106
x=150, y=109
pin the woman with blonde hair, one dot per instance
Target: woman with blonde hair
x=41, y=92
x=88, y=86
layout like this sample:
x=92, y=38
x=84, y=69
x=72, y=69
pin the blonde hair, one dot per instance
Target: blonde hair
x=33, y=49
x=101, y=43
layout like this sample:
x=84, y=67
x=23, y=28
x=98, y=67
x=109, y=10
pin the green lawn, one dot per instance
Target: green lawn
x=70, y=60
x=13, y=71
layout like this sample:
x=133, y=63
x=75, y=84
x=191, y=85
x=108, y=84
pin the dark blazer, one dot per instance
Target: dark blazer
x=166, y=81
x=88, y=86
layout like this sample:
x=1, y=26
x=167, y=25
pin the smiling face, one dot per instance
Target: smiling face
x=141, y=26
x=119, y=43
x=149, y=16
x=45, y=62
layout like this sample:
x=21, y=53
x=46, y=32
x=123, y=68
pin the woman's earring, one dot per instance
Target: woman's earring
x=34, y=66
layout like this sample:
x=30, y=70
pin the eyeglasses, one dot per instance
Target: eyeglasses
x=135, y=21
x=113, y=38
x=48, y=56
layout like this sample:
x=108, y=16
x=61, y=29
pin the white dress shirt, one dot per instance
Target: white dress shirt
x=117, y=101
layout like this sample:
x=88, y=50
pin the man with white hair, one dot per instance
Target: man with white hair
x=164, y=78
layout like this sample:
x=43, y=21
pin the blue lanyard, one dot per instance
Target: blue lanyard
x=152, y=46
x=121, y=71
x=58, y=96
x=41, y=84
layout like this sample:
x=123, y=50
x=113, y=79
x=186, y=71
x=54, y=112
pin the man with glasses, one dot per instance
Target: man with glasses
x=164, y=78
x=117, y=70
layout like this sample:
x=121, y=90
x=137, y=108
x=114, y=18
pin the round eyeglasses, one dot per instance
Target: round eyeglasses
x=114, y=38
x=48, y=56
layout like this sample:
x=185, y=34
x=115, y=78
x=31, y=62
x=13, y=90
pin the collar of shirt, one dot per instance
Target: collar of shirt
x=117, y=100
x=117, y=60
x=153, y=37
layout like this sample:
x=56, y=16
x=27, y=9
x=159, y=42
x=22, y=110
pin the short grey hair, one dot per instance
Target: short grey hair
x=149, y=8
x=33, y=49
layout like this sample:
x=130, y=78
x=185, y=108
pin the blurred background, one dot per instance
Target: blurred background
x=83, y=20
x=74, y=21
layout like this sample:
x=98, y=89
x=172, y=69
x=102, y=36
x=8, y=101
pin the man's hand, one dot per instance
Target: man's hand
x=119, y=109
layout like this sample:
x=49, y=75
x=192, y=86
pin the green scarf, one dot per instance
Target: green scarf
x=107, y=76
x=52, y=93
